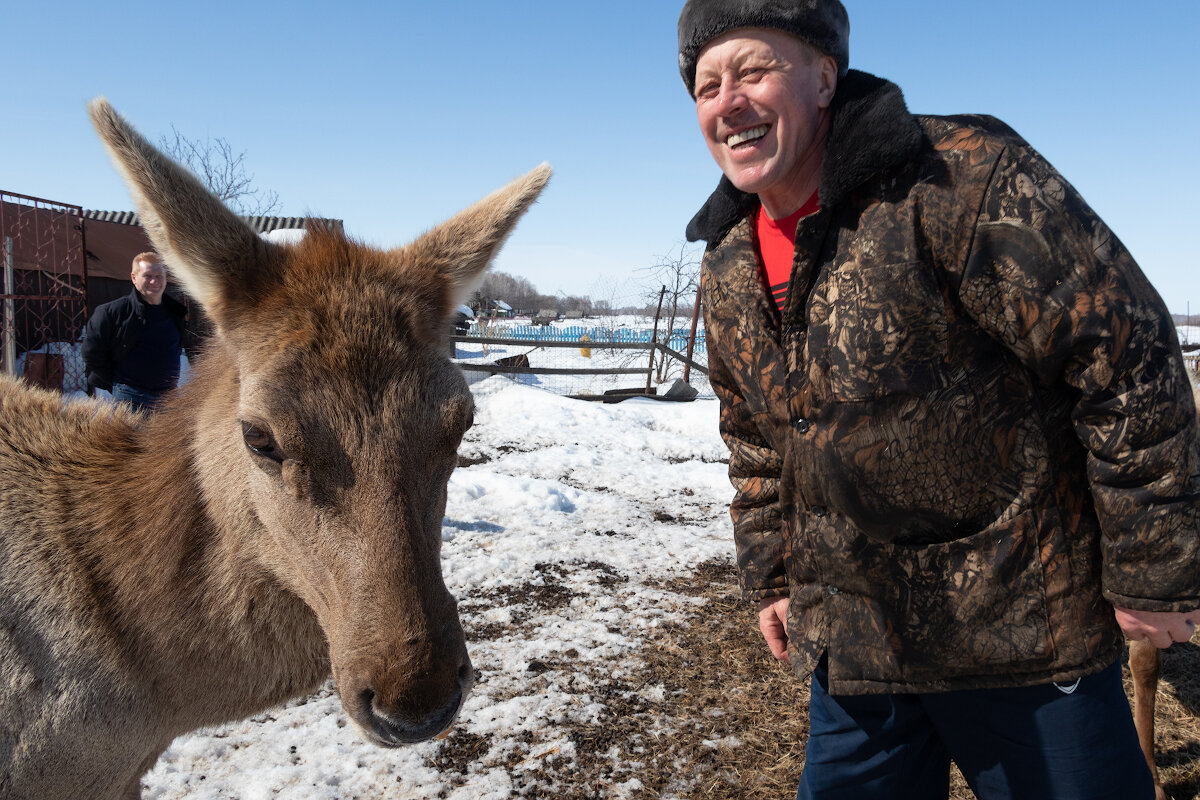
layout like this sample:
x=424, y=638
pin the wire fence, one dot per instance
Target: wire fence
x=43, y=289
x=587, y=361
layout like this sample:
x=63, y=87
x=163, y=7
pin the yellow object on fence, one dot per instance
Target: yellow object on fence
x=586, y=352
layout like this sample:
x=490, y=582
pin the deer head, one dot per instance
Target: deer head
x=332, y=422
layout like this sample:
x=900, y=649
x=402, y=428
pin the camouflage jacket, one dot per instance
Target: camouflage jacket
x=970, y=431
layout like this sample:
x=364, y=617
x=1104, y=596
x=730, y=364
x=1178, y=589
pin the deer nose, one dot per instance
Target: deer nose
x=392, y=730
x=413, y=710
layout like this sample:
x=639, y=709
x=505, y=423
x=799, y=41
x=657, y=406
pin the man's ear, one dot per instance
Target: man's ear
x=829, y=79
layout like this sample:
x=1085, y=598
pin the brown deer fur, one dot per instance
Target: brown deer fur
x=278, y=518
x=1145, y=664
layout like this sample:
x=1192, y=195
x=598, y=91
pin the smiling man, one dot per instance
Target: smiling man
x=962, y=438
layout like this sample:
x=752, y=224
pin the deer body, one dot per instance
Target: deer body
x=279, y=519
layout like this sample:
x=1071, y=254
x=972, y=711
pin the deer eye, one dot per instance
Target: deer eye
x=259, y=442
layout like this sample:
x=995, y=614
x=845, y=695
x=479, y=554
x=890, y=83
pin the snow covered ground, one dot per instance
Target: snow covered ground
x=561, y=525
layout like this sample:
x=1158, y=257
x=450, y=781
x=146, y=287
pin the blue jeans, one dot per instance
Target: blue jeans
x=138, y=398
x=1029, y=743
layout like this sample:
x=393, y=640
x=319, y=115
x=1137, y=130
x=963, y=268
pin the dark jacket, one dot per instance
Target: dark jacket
x=970, y=432
x=114, y=329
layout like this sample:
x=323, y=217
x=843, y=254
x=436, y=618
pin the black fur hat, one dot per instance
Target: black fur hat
x=822, y=23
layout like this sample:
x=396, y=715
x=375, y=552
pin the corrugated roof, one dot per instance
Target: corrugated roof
x=259, y=224
x=120, y=217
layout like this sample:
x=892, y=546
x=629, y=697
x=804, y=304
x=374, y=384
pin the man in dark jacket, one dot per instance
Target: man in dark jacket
x=132, y=345
x=962, y=438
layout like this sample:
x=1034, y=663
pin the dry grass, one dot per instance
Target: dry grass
x=705, y=712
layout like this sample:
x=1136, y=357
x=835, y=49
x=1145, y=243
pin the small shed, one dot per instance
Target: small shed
x=494, y=308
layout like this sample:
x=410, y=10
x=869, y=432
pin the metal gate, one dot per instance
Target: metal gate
x=43, y=296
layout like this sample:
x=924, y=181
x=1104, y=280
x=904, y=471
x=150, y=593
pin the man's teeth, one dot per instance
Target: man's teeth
x=747, y=135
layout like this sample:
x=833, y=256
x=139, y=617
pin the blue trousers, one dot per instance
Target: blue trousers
x=138, y=398
x=1029, y=743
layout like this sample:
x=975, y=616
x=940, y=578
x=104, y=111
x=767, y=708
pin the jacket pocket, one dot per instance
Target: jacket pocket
x=880, y=330
x=970, y=606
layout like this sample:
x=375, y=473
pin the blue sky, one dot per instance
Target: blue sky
x=392, y=116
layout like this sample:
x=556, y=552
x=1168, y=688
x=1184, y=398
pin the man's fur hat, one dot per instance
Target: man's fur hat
x=822, y=23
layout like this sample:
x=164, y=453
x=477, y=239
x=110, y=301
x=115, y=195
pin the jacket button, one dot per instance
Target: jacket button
x=801, y=424
x=819, y=511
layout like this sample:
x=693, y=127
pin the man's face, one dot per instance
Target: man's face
x=763, y=111
x=150, y=279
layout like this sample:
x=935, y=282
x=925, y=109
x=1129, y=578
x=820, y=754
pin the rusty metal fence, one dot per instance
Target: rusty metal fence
x=43, y=294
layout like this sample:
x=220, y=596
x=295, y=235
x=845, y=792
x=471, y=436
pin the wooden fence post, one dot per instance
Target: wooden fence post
x=687, y=365
x=654, y=337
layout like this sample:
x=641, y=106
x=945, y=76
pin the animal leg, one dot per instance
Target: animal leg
x=1145, y=665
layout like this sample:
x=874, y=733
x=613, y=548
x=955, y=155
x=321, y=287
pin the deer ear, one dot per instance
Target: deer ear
x=217, y=257
x=459, y=250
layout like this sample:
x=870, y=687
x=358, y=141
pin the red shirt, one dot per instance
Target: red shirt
x=777, y=247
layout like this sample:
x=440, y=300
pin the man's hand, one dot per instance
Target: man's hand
x=1160, y=628
x=772, y=621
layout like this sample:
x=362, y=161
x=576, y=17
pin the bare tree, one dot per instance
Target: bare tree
x=222, y=170
x=676, y=276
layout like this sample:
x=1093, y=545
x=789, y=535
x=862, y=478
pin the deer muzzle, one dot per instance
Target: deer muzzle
x=411, y=693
